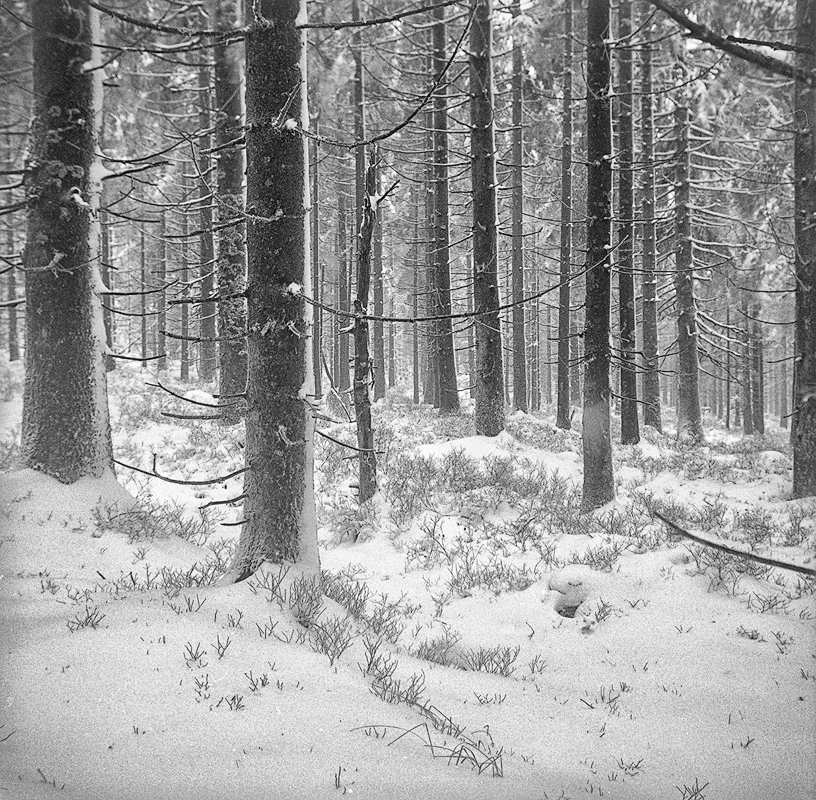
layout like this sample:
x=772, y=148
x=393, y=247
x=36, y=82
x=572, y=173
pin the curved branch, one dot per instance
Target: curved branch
x=155, y=474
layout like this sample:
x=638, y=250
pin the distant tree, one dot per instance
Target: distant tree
x=651, y=349
x=599, y=482
x=630, y=430
x=562, y=417
x=66, y=430
x=231, y=258
x=689, y=416
x=489, y=380
x=279, y=512
x=803, y=433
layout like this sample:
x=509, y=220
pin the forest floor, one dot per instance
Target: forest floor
x=473, y=636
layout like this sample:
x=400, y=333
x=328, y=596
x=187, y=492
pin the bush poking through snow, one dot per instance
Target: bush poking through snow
x=332, y=637
x=89, y=618
x=497, y=660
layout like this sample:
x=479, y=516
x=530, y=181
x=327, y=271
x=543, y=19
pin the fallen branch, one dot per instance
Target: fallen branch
x=718, y=545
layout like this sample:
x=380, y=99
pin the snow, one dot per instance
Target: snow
x=663, y=677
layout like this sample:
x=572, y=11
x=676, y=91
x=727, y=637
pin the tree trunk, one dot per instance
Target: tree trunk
x=651, y=339
x=231, y=267
x=207, y=353
x=599, y=483
x=342, y=378
x=803, y=429
x=562, y=413
x=66, y=430
x=517, y=182
x=161, y=347
x=489, y=412
x=184, y=367
x=377, y=339
x=689, y=418
x=443, y=328
x=415, y=310
x=367, y=460
x=317, y=312
x=143, y=295
x=630, y=430
x=106, y=274
x=783, y=381
x=279, y=513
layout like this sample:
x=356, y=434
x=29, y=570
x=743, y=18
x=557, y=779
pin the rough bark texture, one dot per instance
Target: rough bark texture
x=689, y=417
x=106, y=274
x=231, y=263
x=651, y=350
x=342, y=378
x=441, y=306
x=378, y=341
x=66, y=430
x=161, y=345
x=599, y=483
x=317, y=294
x=415, y=309
x=519, y=337
x=11, y=294
x=803, y=433
x=279, y=506
x=630, y=429
x=562, y=413
x=184, y=275
x=208, y=351
x=489, y=380
x=367, y=460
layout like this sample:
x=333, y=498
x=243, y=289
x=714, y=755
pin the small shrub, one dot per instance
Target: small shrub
x=497, y=660
x=332, y=637
x=89, y=618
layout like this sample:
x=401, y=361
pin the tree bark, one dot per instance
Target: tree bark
x=317, y=312
x=562, y=412
x=161, y=347
x=279, y=513
x=377, y=338
x=106, y=274
x=517, y=179
x=207, y=353
x=367, y=460
x=599, y=483
x=184, y=367
x=803, y=429
x=66, y=430
x=489, y=411
x=343, y=384
x=231, y=265
x=441, y=306
x=630, y=430
x=651, y=339
x=143, y=295
x=689, y=417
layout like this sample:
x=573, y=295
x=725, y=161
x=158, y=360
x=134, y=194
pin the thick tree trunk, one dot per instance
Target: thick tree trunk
x=803, y=429
x=689, y=417
x=66, y=430
x=280, y=523
x=207, y=353
x=415, y=310
x=443, y=328
x=599, y=483
x=630, y=429
x=231, y=265
x=651, y=348
x=11, y=291
x=367, y=460
x=562, y=412
x=489, y=412
x=519, y=337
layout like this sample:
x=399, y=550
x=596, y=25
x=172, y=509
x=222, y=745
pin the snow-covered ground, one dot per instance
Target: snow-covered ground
x=446, y=660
